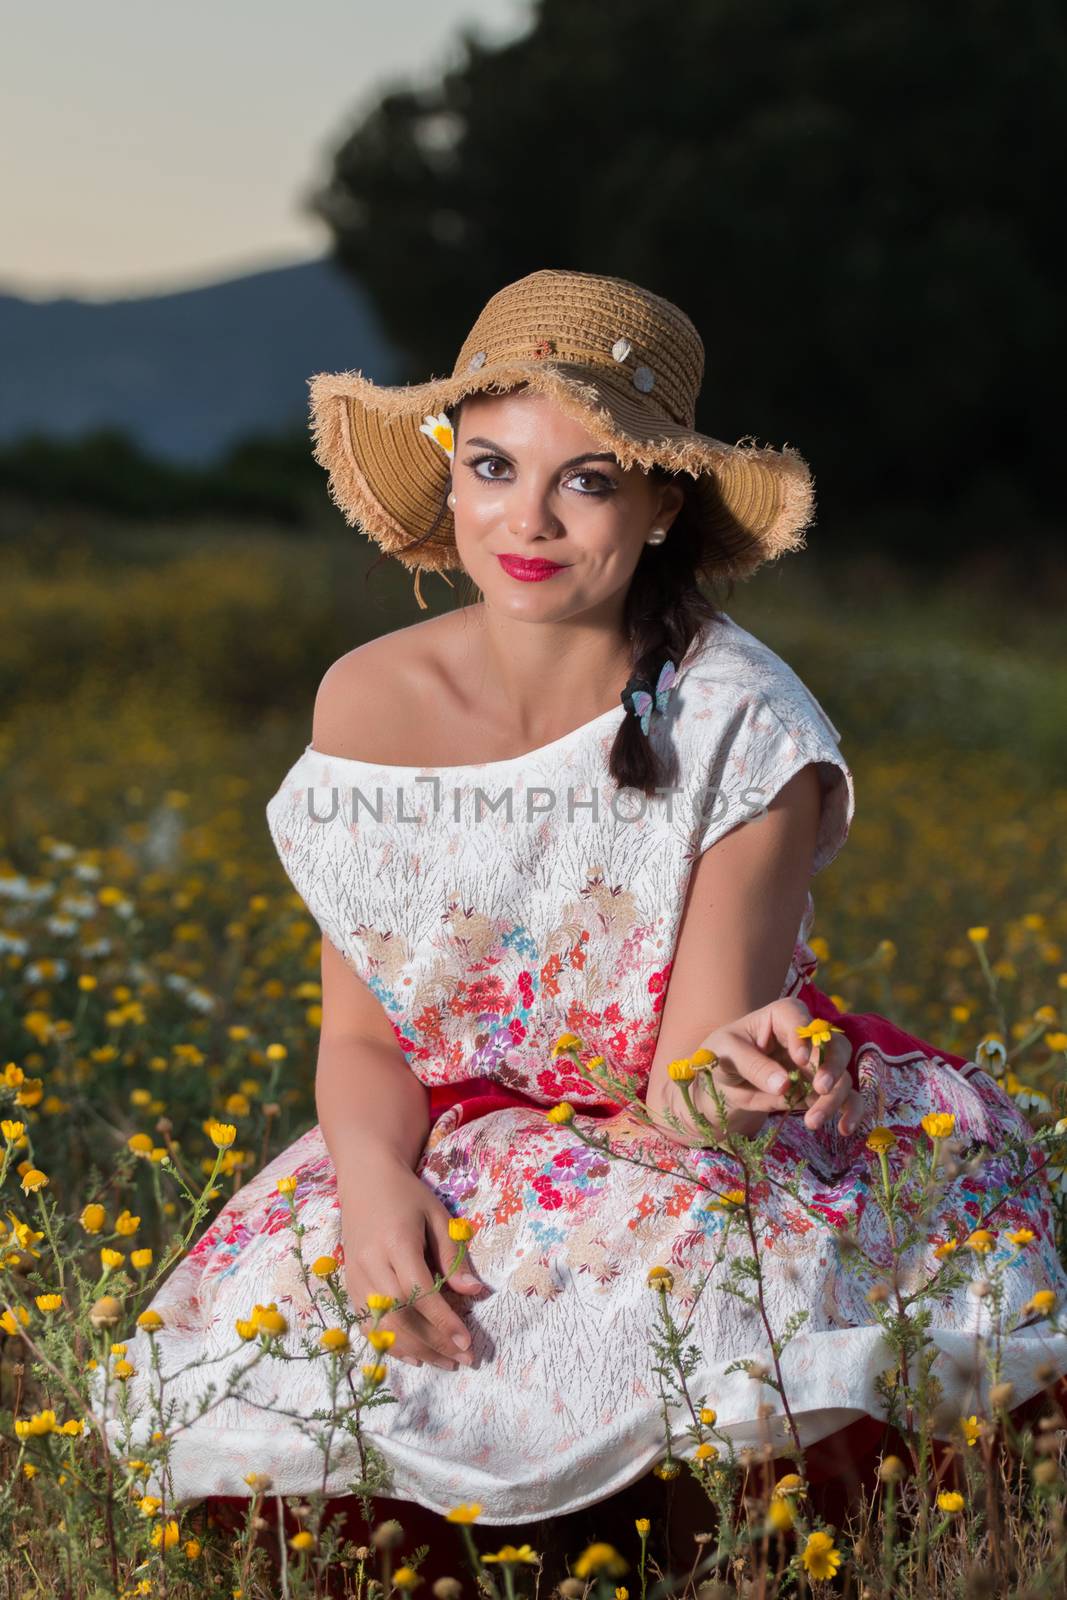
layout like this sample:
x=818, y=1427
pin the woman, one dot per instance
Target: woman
x=499, y=912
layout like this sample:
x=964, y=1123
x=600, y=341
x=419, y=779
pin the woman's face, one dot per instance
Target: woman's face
x=533, y=485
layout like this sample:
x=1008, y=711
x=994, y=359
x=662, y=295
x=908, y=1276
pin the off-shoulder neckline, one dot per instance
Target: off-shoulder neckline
x=614, y=713
x=617, y=712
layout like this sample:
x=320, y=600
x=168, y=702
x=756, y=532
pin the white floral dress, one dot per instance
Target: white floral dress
x=491, y=908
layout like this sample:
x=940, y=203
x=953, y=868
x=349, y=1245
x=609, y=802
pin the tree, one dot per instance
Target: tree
x=854, y=204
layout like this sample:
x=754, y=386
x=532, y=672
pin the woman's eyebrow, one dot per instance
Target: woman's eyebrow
x=573, y=462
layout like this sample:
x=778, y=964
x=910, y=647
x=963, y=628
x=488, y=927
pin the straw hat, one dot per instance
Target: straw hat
x=625, y=362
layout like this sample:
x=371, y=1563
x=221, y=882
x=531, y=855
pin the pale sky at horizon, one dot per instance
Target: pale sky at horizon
x=148, y=150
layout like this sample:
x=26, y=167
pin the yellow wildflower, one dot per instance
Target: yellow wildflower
x=1043, y=1301
x=150, y=1320
x=49, y=1302
x=166, y=1534
x=141, y=1259
x=788, y=1483
x=40, y=1422
x=941, y=1251
x=466, y=1511
x=111, y=1259
x=880, y=1140
x=126, y=1224
x=380, y=1302
x=221, y=1134
x=981, y=1241
x=1022, y=1236
x=597, y=1558
x=818, y=1031
x=661, y=1278
x=780, y=1514
x=564, y=1112
x=729, y=1200
x=949, y=1500
x=268, y=1319
x=286, y=1185
x=304, y=1540
x=971, y=1429
x=322, y=1266
x=682, y=1070
x=33, y=1179
x=93, y=1218
x=513, y=1553
x=819, y=1556
x=334, y=1339
x=459, y=1229
x=978, y=935
x=939, y=1124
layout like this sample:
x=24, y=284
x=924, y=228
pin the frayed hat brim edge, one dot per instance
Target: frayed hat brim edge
x=692, y=452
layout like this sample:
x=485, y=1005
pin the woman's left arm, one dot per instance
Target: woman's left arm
x=743, y=907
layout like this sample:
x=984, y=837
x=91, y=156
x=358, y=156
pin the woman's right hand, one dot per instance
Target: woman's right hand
x=394, y=1232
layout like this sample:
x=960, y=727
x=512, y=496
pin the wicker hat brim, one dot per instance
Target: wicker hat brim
x=389, y=478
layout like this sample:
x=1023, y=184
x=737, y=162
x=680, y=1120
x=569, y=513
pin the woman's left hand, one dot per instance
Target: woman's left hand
x=755, y=1051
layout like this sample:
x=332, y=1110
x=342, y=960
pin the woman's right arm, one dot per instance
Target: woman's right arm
x=374, y=1116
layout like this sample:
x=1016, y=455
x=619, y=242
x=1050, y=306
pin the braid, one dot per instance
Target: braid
x=665, y=608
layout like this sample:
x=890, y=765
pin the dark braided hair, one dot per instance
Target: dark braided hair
x=666, y=605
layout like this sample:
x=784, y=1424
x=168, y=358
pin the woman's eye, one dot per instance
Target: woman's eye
x=597, y=478
x=480, y=461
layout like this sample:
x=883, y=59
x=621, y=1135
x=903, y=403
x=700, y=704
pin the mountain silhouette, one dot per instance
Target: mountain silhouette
x=187, y=372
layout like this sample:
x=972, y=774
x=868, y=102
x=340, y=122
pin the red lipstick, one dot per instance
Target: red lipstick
x=529, y=571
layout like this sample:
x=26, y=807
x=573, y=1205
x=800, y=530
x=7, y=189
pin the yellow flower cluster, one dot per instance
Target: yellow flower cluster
x=264, y=1319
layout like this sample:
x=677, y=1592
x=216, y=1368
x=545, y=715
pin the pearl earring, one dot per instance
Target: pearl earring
x=657, y=536
x=452, y=501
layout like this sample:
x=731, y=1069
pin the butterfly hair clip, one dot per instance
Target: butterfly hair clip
x=640, y=698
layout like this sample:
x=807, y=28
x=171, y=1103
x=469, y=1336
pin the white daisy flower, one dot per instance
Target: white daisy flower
x=439, y=429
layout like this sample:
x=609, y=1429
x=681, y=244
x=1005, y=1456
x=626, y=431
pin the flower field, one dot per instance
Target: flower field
x=159, y=1007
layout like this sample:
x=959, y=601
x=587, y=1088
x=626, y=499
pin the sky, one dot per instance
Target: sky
x=156, y=147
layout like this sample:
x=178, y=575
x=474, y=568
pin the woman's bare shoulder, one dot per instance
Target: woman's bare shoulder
x=375, y=696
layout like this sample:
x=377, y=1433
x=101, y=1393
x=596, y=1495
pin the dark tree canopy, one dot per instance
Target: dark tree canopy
x=855, y=204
